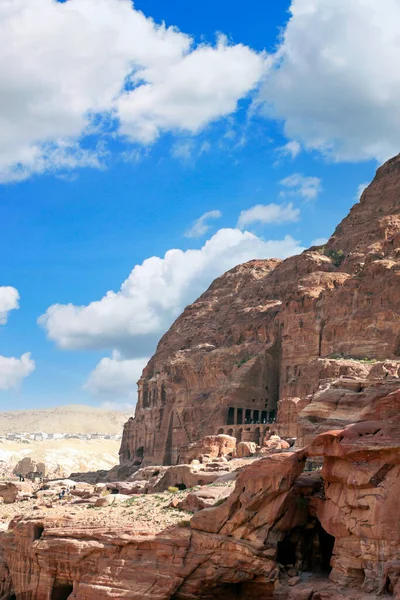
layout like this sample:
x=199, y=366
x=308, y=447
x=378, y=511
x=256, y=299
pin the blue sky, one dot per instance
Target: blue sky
x=118, y=135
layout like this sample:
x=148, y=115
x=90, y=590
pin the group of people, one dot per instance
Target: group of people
x=65, y=492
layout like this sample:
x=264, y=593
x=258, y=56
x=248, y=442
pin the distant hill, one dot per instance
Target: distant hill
x=73, y=418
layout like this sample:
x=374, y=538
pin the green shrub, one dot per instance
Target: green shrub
x=173, y=489
x=220, y=501
x=184, y=523
x=337, y=256
x=130, y=502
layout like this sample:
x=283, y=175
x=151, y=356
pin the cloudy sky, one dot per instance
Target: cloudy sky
x=147, y=147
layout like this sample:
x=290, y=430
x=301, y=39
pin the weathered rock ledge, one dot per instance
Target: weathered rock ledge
x=277, y=535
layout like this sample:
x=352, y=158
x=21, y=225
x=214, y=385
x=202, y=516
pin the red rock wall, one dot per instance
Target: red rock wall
x=256, y=339
x=235, y=550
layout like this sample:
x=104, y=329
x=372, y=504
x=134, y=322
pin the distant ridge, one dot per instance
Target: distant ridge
x=72, y=418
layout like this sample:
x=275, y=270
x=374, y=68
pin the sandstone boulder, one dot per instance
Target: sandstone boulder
x=209, y=447
x=15, y=492
x=204, y=498
x=112, y=499
x=244, y=449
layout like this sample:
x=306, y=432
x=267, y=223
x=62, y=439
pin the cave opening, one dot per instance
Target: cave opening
x=225, y=591
x=231, y=416
x=389, y=586
x=180, y=486
x=61, y=591
x=308, y=548
x=38, y=532
x=140, y=452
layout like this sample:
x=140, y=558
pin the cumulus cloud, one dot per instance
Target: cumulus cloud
x=9, y=297
x=93, y=66
x=116, y=378
x=268, y=214
x=14, y=370
x=337, y=90
x=360, y=189
x=204, y=85
x=305, y=187
x=133, y=318
x=319, y=241
x=291, y=149
x=200, y=226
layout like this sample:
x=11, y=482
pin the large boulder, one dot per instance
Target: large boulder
x=245, y=449
x=276, y=443
x=15, y=492
x=205, y=498
x=111, y=499
x=211, y=446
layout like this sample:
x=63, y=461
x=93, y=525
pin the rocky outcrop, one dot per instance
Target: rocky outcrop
x=264, y=338
x=277, y=528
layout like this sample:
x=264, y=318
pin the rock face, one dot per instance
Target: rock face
x=311, y=346
x=268, y=337
x=277, y=524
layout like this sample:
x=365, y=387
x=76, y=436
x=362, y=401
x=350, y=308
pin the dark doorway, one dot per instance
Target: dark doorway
x=38, y=532
x=264, y=416
x=227, y=591
x=239, y=416
x=309, y=548
x=61, y=591
x=389, y=586
x=247, y=415
x=326, y=544
x=180, y=486
x=231, y=416
x=287, y=551
x=140, y=452
x=256, y=416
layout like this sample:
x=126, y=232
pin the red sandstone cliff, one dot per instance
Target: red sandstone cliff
x=278, y=522
x=267, y=335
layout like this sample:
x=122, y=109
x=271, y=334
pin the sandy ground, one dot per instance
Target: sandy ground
x=150, y=513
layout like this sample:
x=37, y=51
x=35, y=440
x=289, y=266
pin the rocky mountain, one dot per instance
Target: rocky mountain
x=258, y=346
x=308, y=348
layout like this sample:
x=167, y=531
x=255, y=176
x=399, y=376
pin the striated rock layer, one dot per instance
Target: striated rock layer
x=266, y=338
x=278, y=524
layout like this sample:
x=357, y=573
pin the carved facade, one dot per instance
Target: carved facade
x=266, y=335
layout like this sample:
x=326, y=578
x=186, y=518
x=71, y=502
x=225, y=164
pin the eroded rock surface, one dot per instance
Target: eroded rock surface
x=282, y=533
x=268, y=335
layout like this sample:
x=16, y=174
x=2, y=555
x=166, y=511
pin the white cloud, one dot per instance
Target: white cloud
x=319, y=241
x=14, y=370
x=336, y=82
x=268, y=213
x=132, y=319
x=116, y=378
x=305, y=187
x=187, y=94
x=9, y=297
x=182, y=150
x=200, y=226
x=291, y=149
x=89, y=66
x=360, y=189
